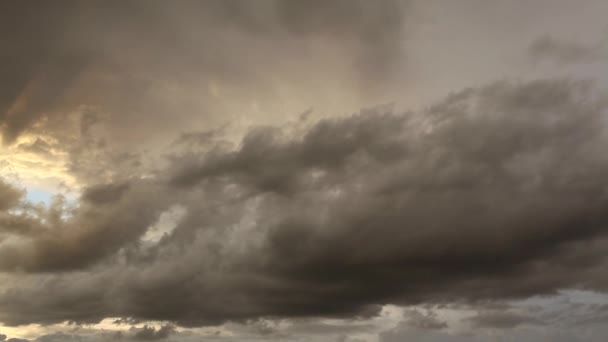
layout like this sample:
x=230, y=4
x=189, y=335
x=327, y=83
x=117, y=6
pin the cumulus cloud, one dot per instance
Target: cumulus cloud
x=495, y=192
x=63, y=237
x=185, y=198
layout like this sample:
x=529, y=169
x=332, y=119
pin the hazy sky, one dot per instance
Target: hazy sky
x=303, y=170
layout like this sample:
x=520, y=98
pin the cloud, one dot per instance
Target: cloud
x=502, y=319
x=495, y=192
x=250, y=226
x=406, y=333
x=58, y=337
x=9, y=196
x=565, y=52
x=151, y=334
x=38, y=62
x=63, y=237
x=424, y=320
x=61, y=336
x=133, y=61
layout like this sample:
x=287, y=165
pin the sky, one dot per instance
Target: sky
x=319, y=170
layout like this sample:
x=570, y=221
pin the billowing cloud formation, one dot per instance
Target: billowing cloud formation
x=60, y=237
x=494, y=192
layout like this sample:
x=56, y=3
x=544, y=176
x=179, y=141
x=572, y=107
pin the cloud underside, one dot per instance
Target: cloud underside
x=495, y=192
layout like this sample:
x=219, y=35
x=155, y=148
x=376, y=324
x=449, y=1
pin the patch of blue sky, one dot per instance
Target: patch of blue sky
x=36, y=195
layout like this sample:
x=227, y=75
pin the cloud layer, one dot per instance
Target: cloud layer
x=176, y=63
x=495, y=192
x=185, y=170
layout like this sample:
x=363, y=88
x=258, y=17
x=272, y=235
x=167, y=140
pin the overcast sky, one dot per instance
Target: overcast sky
x=303, y=170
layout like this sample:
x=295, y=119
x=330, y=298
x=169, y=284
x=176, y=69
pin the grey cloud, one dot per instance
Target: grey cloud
x=565, y=52
x=2, y=337
x=495, y=192
x=325, y=146
x=503, y=319
x=126, y=320
x=404, y=332
x=64, y=237
x=148, y=333
x=79, y=336
x=424, y=320
x=59, y=337
x=377, y=29
x=104, y=193
x=38, y=63
x=9, y=195
x=318, y=327
x=134, y=60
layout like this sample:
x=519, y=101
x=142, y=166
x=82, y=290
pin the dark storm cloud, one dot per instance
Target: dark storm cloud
x=37, y=63
x=566, y=52
x=63, y=237
x=495, y=192
x=103, y=193
x=9, y=196
x=115, y=56
x=327, y=146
